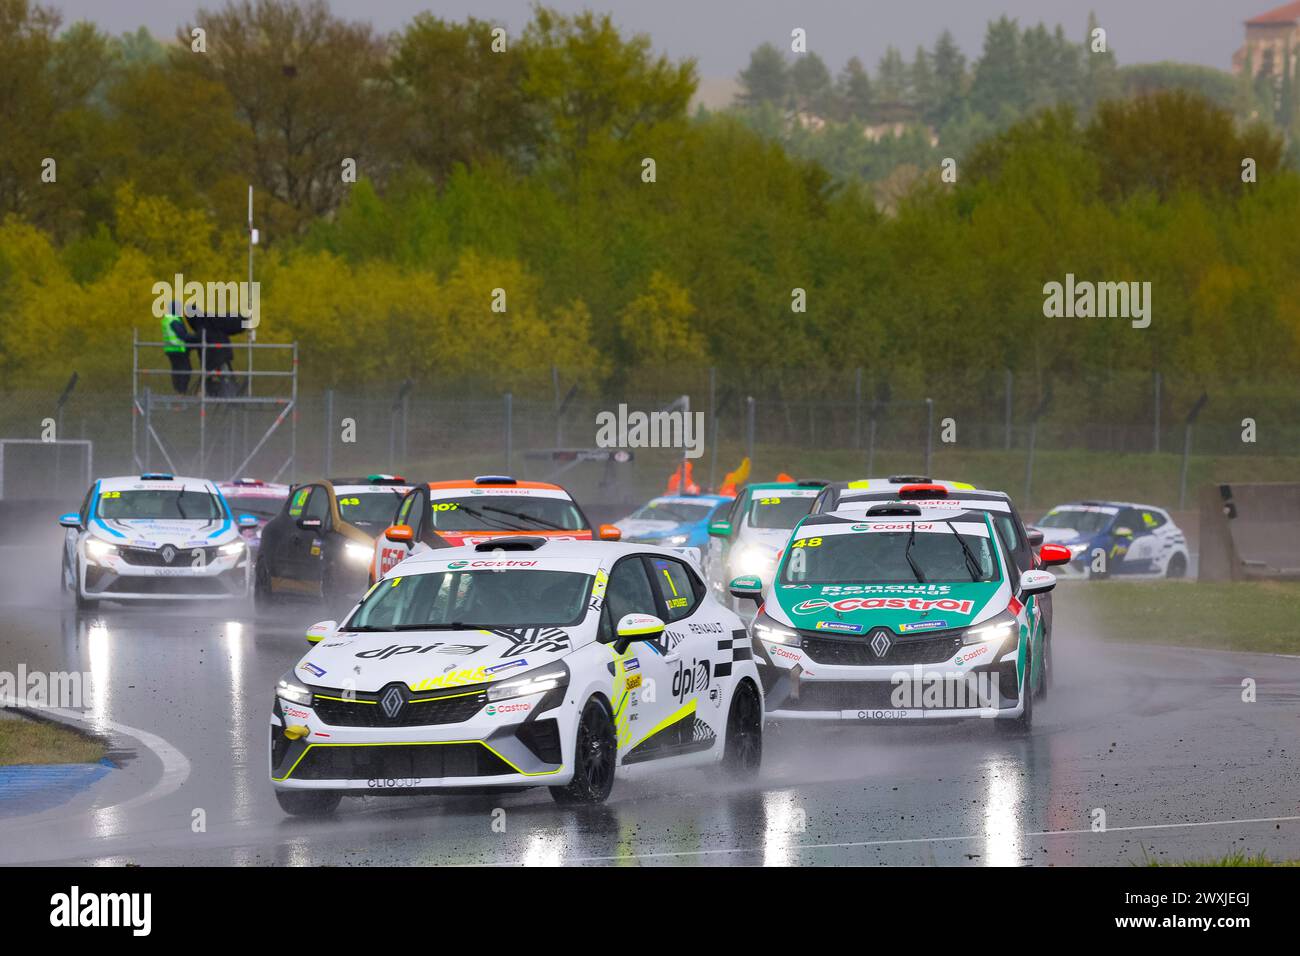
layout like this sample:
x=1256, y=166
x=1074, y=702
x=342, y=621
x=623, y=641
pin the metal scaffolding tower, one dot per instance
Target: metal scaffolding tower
x=209, y=429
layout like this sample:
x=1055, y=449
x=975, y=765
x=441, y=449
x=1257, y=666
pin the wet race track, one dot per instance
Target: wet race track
x=1158, y=738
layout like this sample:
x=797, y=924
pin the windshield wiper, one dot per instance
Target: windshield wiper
x=475, y=512
x=972, y=563
x=523, y=517
x=907, y=553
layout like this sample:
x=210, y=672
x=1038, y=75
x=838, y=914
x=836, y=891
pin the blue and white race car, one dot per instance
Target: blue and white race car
x=672, y=521
x=155, y=537
x=1114, y=538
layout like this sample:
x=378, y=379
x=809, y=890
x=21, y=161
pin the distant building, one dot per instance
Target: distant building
x=1272, y=39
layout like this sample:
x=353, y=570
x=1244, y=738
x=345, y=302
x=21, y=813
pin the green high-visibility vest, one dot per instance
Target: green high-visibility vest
x=171, y=341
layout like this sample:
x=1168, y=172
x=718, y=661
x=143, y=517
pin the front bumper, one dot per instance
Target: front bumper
x=116, y=580
x=515, y=745
x=977, y=681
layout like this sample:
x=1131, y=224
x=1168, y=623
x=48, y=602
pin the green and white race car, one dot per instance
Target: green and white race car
x=748, y=537
x=900, y=612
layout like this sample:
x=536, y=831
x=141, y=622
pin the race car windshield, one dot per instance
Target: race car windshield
x=161, y=504
x=474, y=599
x=679, y=511
x=262, y=507
x=506, y=513
x=881, y=557
x=1085, y=522
x=776, y=511
x=370, y=508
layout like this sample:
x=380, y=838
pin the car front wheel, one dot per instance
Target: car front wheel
x=1177, y=567
x=743, y=750
x=593, y=757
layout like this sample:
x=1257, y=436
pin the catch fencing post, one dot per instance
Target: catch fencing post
x=1033, y=440
x=713, y=426
x=749, y=428
x=148, y=426
x=1187, y=446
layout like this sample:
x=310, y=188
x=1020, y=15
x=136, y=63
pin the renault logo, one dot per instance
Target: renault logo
x=881, y=642
x=392, y=702
x=168, y=554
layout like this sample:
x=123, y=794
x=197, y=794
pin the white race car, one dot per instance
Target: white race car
x=155, y=537
x=518, y=662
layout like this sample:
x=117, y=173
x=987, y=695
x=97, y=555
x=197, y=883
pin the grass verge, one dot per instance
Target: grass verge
x=24, y=741
x=1232, y=859
x=1256, y=616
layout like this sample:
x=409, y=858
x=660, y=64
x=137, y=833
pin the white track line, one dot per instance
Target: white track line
x=176, y=766
x=949, y=839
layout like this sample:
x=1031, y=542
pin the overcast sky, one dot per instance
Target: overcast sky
x=720, y=33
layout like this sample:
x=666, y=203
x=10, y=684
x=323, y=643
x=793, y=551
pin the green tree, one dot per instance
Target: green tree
x=854, y=91
x=810, y=81
x=766, y=79
x=1175, y=141
x=463, y=102
x=950, y=78
x=309, y=87
x=998, y=84
x=593, y=87
x=892, y=88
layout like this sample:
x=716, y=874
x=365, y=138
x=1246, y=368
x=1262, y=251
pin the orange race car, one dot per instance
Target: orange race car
x=446, y=514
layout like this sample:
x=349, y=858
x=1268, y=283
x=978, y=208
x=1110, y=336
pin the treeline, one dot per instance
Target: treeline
x=913, y=111
x=525, y=171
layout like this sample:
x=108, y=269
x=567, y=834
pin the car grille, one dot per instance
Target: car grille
x=879, y=695
x=931, y=649
x=400, y=761
x=206, y=586
x=418, y=711
x=153, y=557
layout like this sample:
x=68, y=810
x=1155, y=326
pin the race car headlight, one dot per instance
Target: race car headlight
x=96, y=549
x=753, y=560
x=769, y=630
x=675, y=540
x=997, y=628
x=536, y=681
x=234, y=548
x=289, y=689
x=1077, y=549
x=358, y=553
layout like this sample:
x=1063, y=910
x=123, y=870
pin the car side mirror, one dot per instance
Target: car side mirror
x=70, y=520
x=720, y=529
x=1123, y=532
x=321, y=630
x=400, y=534
x=747, y=587
x=1035, y=536
x=1053, y=554
x=609, y=532
x=1037, y=582
x=247, y=521
x=637, y=627
x=310, y=524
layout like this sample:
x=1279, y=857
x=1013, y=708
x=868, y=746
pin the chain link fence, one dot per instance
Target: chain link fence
x=806, y=423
